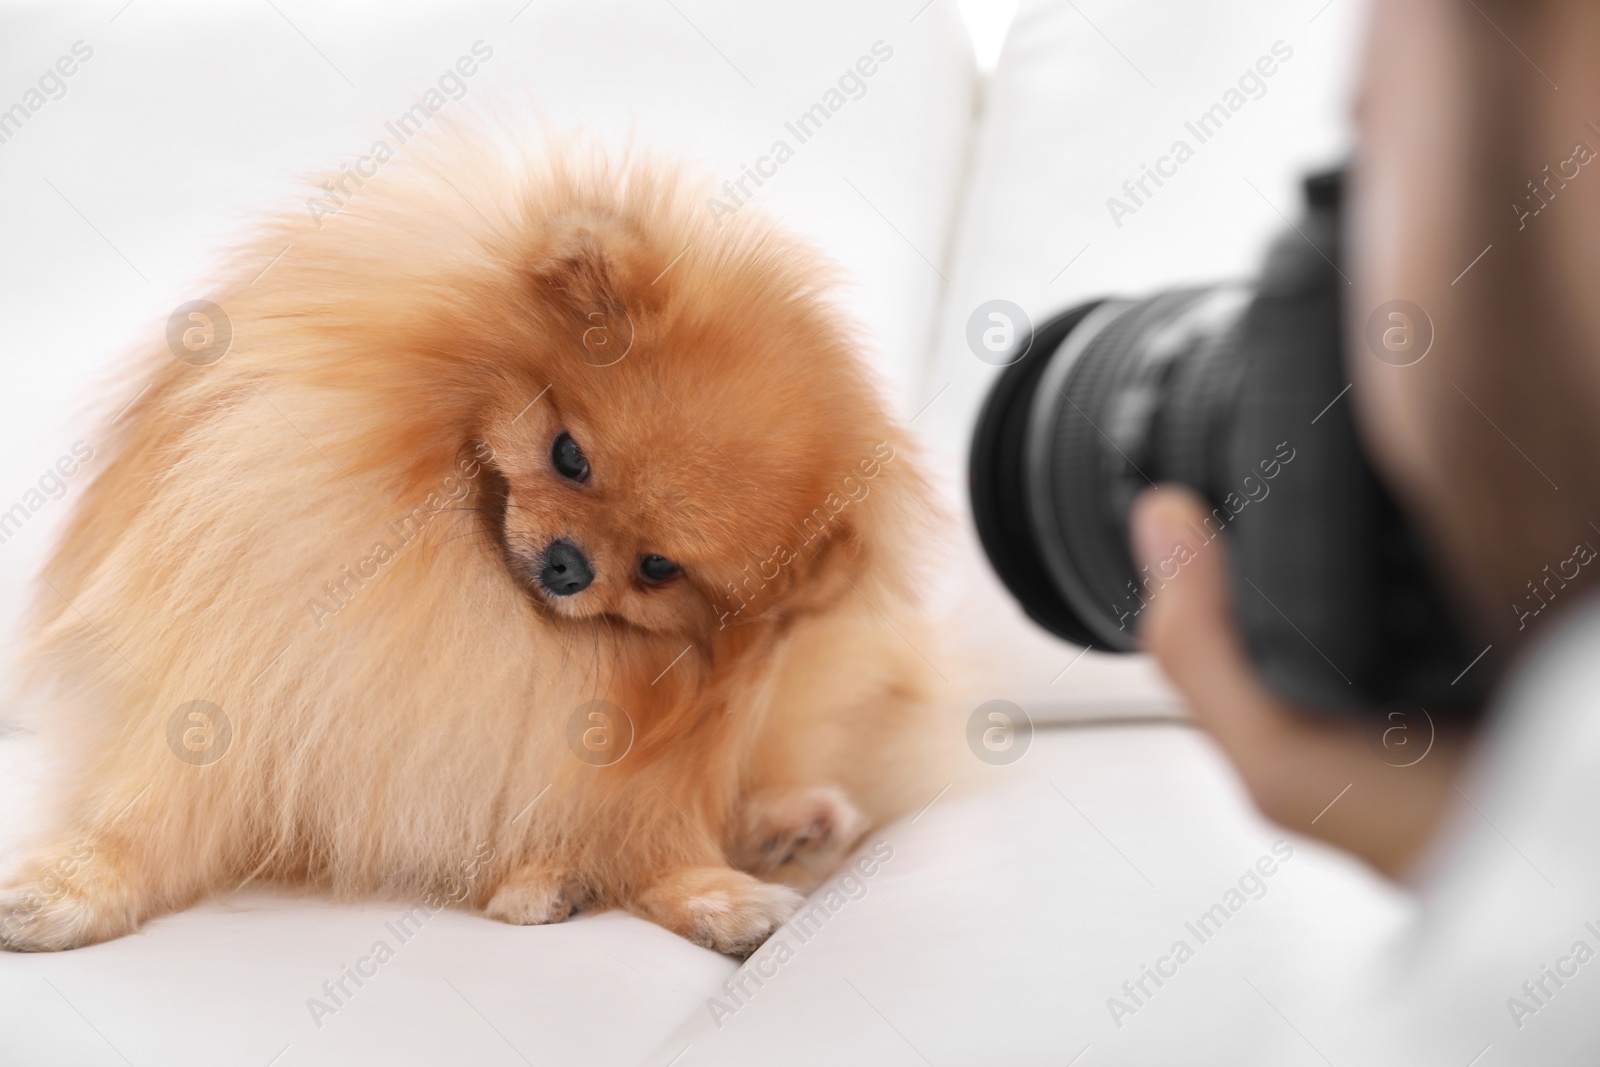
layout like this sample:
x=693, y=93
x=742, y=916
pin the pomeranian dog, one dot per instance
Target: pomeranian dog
x=518, y=536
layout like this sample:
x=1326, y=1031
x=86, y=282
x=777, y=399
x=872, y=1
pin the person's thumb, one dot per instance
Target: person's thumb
x=1188, y=624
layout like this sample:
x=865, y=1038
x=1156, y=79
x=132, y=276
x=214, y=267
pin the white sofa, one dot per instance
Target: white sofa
x=1011, y=921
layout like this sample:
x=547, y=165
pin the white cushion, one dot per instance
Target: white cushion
x=1006, y=920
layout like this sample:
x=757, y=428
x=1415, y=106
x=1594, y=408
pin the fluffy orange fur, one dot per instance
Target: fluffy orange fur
x=331, y=535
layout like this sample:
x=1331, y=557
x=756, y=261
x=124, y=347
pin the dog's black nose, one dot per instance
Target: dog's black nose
x=566, y=569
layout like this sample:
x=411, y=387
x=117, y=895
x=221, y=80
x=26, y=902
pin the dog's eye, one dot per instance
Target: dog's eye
x=658, y=568
x=569, y=460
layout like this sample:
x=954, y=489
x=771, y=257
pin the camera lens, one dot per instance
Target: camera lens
x=1134, y=396
x=1237, y=391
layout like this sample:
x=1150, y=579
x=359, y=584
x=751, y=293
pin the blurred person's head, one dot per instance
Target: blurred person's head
x=1476, y=133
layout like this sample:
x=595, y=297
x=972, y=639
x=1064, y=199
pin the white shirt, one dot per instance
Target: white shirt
x=1503, y=963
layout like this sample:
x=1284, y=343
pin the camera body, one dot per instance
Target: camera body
x=1239, y=392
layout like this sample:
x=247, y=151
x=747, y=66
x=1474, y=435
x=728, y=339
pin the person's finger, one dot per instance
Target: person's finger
x=1294, y=765
x=1188, y=624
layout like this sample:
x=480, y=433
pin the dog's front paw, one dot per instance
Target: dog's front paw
x=719, y=908
x=813, y=828
x=47, y=916
x=535, y=895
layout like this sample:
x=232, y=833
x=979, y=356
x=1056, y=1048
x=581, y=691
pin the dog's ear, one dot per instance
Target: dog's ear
x=584, y=279
x=885, y=520
x=866, y=537
x=575, y=271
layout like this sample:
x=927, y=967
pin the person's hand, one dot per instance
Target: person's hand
x=1313, y=774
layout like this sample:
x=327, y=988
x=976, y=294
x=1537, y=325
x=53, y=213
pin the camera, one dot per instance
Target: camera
x=1238, y=391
